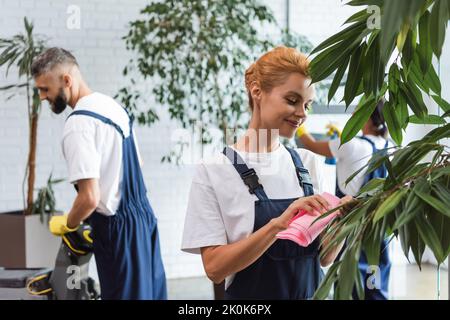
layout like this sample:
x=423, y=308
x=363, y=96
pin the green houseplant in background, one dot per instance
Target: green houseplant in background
x=19, y=51
x=45, y=204
x=196, y=52
x=394, y=62
x=22, y=234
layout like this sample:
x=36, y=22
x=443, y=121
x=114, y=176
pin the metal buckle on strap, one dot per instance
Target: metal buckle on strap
x=303, y=176
x=251, y=180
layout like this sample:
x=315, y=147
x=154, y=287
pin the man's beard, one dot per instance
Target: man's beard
x=60, y=102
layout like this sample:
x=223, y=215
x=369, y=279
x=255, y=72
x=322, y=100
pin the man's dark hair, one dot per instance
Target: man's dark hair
x=51, y=58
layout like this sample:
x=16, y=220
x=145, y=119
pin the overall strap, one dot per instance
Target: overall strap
x=99, y=117
x=302, y=173
x=374, y=149
x=247, y=174
x=131, y=119
x=380, y=172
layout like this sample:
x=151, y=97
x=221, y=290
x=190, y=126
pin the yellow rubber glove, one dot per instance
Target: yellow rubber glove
x=58, y=225
x=302, y=130
x=332, y=128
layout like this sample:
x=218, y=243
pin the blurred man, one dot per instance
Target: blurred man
x=103, y=163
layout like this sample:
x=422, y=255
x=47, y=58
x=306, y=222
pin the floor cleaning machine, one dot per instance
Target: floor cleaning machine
x=68, y=280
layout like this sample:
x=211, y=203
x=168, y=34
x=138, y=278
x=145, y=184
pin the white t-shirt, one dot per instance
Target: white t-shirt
x=93, y=149
x=352, y=156
x=221, y=209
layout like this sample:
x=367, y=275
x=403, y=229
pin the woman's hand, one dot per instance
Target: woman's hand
x=348, y=202
x=313, y=204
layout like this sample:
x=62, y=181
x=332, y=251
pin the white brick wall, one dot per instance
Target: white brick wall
x=318, y=19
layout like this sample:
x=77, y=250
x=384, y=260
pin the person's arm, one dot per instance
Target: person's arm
x=328, y=259
x=318, y=147
x=83, y=164
x=85, y=203
x=221, y=261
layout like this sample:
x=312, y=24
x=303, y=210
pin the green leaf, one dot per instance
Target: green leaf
x=357, y=3
x=442, y=191
x=429, y=119
x=325, y=286
x=438, y=134
x=407, y=158
x=409, y=46
x=348, y=33
x=327, y=61
x=360, y=293
x=358, y=119
x=330, y=59
x=432, y=201
x=432, y=80
x=401, y=37
x=395, y=14
x=437, y=173
x=372, y=185
x=402, y=110
x=375, y=162
x=438, y=25
x=389, y=204
x=373, y=68
x=325, y=214
x=371, y=244
x=393, y=178
x=347, y=271
x=445, y=106
x=374, y=39
x=441, y=225
x=394, y=78
x=337, y=79
x=416, y=243
x=427, y=81
x=414, y=98
x=424, y=49
x=404, y=241
x=430, y=237
x=436, y=157
x=358, y=17
x=355, y=74
x=412, y=207
x=28, y=25
x=13, y=86
x=393, y=122
x=337, y=239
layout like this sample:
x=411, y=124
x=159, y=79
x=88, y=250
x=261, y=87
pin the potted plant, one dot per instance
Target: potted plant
x=25, y=241
x=393, y=61
x=45, y=204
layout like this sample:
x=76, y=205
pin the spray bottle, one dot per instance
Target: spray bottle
x=333, y=133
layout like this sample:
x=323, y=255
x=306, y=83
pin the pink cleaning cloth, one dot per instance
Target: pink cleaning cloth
x=300, y=229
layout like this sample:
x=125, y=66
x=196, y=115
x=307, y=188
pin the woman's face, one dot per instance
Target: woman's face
x=285, y=107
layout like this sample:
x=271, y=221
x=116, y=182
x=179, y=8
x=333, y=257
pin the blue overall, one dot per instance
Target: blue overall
x=286, y=270
x=126, y=245
x=385, y=262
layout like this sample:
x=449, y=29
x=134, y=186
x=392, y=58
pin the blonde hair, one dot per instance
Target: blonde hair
x=273, y=68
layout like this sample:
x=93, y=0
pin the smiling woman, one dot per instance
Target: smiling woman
x=242, y=198
x=278, y=80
